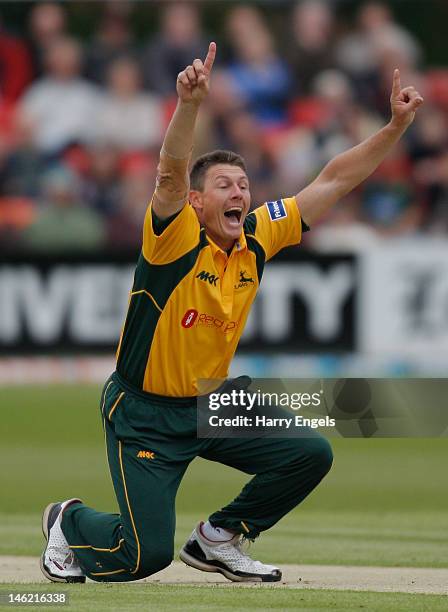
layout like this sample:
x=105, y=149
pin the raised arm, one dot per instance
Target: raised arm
x=172, y=174
x=347, y=170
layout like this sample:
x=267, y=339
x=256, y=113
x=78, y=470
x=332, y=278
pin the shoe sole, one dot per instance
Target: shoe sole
x=200, y=565
x=43, y=569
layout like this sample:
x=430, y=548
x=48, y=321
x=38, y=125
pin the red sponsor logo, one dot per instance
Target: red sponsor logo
x=189, y=318
x=193, y=316
x=211, y=321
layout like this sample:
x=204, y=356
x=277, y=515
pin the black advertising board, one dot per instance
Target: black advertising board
x=306, y=303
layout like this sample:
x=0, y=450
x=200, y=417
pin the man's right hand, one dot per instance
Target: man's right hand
x=173, y=183
x=193, y=83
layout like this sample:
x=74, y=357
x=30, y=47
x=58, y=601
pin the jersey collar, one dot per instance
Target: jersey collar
x=240, y=244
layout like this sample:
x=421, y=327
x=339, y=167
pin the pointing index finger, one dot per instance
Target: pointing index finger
x=396, y=84
x=208, y=63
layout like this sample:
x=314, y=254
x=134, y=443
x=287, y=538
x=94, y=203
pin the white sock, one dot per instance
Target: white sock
x=216, y=534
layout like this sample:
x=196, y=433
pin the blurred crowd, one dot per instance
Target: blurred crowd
x=82, y=121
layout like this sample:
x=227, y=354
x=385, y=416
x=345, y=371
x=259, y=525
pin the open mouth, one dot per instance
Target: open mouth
x=234, y=214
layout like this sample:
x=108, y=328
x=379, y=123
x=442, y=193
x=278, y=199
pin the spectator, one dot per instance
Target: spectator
x=390, y=208
x=298, y=158
x=224, y=101
x=16, y=213
x=375, y=46
x=101, y=187
x=343, y=231
x=63, y=223
x=124, y=228
x=326, y=124
x=24, y=164
x=345, y=122
x=61, y=105
x=15, y=67
x=311, y=49
x=244, y=136
x=436, y=220
x=241, y=22
x=389, y=202
x=358, y=51
x=178, y=43
x=258, y=75
x=114, y=39
x=47, y=23
x=128, y=118
x=429, y=151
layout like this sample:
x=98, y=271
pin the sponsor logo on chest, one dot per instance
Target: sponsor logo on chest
x=212, y=279
x=194, y=318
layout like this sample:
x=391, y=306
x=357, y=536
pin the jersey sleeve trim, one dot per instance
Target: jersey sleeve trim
x=160, y=225
x=177, y=238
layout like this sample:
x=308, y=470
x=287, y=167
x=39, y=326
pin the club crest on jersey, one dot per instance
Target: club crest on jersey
x=244, y=281
x=276, y=210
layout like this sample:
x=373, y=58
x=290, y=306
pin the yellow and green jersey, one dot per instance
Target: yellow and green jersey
x=190, y=299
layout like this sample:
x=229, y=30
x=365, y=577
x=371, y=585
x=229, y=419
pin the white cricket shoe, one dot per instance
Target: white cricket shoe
x=58, y=563
x=226, y=558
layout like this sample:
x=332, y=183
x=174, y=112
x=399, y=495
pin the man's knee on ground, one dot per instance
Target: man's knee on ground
x=152, y=561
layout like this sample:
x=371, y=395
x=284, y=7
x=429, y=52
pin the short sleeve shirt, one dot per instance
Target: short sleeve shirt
x=190, y=299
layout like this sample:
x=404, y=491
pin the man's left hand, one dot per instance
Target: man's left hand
x=403, y=102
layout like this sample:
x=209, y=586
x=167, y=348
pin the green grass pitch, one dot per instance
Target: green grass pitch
x=161, y=598
x=384, y=503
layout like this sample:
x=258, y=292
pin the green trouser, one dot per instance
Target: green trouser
x=150, y=444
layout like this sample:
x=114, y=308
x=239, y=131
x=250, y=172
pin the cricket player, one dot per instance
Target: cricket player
x=200, y=266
